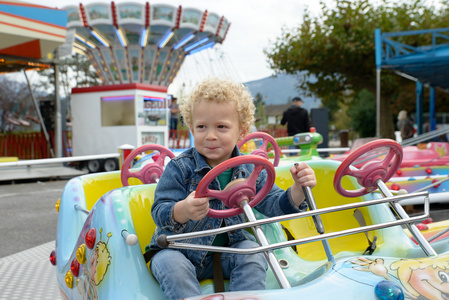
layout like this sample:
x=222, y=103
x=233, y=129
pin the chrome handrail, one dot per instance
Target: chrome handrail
x=170, y=240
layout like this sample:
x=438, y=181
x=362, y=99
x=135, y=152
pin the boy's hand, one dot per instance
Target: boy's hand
x=303, y=175
x=191, y=208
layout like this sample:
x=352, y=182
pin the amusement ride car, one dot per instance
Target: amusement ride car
x=349, y=245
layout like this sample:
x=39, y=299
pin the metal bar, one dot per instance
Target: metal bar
x=190, y=235
x=58, y=117
x=433, y=184
x=423, y=243
x=438, y=234
x=77, y=207
x=299, y=241
x=38, y=111
x=318, y=222
x=261, y=238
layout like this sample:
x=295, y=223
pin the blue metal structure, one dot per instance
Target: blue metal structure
x=427, y=65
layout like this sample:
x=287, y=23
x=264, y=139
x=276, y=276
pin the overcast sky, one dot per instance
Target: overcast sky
x=254, y=23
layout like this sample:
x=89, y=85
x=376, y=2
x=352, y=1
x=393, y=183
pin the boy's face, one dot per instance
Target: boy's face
x=216, y=130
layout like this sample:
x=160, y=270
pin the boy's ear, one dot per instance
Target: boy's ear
x=243, y=133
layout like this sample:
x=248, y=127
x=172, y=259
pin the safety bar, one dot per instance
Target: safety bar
x=168, y=241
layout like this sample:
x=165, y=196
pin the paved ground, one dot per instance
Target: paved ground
x=28, y=217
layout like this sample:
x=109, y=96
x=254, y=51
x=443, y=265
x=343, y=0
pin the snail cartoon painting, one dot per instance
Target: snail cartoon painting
x=421, y=278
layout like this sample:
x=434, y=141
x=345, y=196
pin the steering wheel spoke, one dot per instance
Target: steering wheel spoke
x=371, y=172
x=262, y=151
x=239, y=189
x=148, y=173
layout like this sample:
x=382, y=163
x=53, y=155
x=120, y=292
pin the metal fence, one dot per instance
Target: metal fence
x=34, y=145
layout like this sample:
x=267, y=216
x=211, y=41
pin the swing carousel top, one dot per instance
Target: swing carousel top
x=146, y=43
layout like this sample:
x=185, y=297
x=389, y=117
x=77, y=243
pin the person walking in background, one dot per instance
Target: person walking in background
x=405, y=125
x=174, y=110
x=296, y=117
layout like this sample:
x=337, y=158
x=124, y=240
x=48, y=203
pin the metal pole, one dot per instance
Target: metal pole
x=378, y=102
x=58, y=122
x=423, y=243
x=36, y=107
x=261, y=238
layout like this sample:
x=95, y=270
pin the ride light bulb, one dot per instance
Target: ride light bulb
x=57, y=204
x=428, y=170
x=422, y=226
x=81, y=254
x=399, y=172
x=75, y=267
x=395, y=187
x=436, y=186
x=388, y=290
x=91, y=236
x=69, y=279
x=53, y=258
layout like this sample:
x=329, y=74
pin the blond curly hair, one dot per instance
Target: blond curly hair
x=220, y=91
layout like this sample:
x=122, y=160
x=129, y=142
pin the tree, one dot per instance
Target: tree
x=338, y=49
x=75, y=71
x=362, y=114
x=15, y=102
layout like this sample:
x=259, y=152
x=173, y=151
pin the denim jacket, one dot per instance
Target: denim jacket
x=182, y=176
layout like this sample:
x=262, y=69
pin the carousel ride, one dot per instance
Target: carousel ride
x=133, y=42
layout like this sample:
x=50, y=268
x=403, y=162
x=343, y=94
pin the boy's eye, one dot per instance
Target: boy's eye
x=221, y=126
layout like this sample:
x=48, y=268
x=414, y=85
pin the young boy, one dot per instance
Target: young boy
x=219, y=113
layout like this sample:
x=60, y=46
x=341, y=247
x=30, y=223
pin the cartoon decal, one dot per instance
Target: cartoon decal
x=421, y=278
x=95, y=270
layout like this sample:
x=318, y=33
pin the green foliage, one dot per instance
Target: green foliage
x=338, y=48
x=362, y=114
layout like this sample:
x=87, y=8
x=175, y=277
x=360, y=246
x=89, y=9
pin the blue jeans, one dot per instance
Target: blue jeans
x=173, y=124
x=179, y=278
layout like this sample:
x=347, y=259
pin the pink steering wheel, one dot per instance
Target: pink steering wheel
x=150, y=172
x=262, y=151
x=239, y=189
x=368, y=175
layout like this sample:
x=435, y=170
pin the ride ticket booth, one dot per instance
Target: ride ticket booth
x=105, y=117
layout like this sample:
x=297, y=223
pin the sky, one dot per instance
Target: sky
x=255, y=25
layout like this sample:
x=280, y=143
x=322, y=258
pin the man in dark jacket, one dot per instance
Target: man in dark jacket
x=296, y=117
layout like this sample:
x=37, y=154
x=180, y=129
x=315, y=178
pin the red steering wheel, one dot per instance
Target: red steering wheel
x=150, y=172
x=368, y=175
x=239, y=189
x=262, y=151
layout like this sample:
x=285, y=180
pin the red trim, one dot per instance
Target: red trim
x=31, y=29
x=203, y=20
x=219, y=26
x=114, y=15
x=31, y=20
x=120, y=87
x=178, y=17
x=147, y=15
x=26, y=4
x=83, y=15
x=27, y=49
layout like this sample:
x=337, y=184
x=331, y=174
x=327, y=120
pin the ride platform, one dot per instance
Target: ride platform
x=29, y=275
